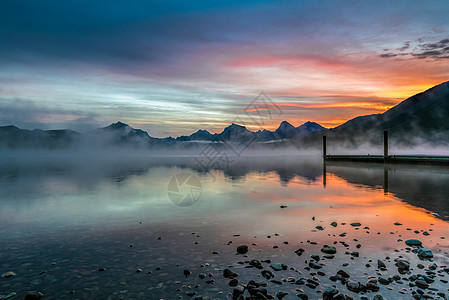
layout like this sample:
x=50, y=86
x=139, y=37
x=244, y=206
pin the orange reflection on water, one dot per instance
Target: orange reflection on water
x=343, y=202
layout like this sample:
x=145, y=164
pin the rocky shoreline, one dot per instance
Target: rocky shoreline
x=336, y=270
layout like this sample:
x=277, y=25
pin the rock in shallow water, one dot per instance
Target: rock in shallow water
x=242, y=249
x=302, y=296
x=424, y=253
x=315, y=265
x=9, y=296
x=33, y=295
x=330, y=293
x=402, y=264
x=276, y=266
x=229, y=274
x=421, y=284
x=381, y=265
x=239, y=290
x=8, y=274
x=299, y=251
x=328, y=249
x=413, y=242
x=281, y=295
x=353, y=286
x=267, y=274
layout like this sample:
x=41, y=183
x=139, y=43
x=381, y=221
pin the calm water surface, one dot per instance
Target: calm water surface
x=63, y=219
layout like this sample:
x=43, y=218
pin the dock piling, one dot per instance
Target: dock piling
x=324, y=146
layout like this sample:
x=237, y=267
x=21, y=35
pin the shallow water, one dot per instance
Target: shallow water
x=62, y=219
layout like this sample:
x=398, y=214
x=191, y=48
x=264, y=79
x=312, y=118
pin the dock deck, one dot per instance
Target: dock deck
x=392, y=159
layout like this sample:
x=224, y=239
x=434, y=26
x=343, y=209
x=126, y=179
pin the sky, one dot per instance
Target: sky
x=172, y=67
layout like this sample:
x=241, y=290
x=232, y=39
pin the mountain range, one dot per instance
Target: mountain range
x=420, y=118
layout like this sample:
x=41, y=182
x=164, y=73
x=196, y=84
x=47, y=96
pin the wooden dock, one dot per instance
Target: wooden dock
x=391, y=159
x=386, y=158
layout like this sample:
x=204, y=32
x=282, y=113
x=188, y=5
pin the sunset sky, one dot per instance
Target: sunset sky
x=173, y=67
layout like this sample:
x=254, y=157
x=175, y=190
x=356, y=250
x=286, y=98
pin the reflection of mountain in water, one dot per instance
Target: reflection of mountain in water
x=421, y=186
x=89, y=173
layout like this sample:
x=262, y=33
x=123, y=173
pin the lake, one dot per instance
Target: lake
x=165, y=228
